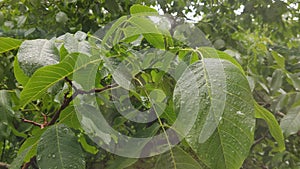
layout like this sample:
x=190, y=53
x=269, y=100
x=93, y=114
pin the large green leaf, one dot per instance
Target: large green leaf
x=232, y=130
x=59, y=148
x=7, y=44
x=37, y=53
x=47, y=76
x=177, y=158
x=274, y=127
x=290, y=123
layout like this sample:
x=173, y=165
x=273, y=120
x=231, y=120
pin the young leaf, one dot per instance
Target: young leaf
x=137, y=8
x=274, y=127
x=88, y=148
x=7, y=44
x=59, y=148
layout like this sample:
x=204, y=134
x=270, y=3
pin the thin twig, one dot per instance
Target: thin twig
x=41, y=125
x=260, y=139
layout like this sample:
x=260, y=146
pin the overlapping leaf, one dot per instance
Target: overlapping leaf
x=274, y=127
x=47, y=76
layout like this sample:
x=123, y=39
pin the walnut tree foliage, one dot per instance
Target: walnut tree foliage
x=232, y=68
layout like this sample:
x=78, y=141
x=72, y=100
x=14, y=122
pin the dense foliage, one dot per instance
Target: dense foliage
x=222, y=92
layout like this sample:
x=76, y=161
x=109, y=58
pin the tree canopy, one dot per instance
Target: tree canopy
x=149, y=84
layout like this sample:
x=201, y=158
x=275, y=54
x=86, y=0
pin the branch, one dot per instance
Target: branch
x=68, y=100
x=4, y=165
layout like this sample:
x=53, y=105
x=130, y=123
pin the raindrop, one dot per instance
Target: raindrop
x=53, y=156
x=251, y=129
x=66, y=130
x=239, y=113
x=38, y=157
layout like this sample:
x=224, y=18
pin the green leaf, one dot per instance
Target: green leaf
x=149, y=31
x=121, y=162
x=116, y=25
x=177, y=158
x=7, y=44
x=86, y=146
x=69, y=118
x=222, y=121
x=59, y=148
x=5, y=112
x=276, y=81
x=273, y=125
x=47, y=76
x=18, y=162
x=37, y=53
x=137, y=8
x=290, y=123
x=21, y=77
x=279, y=59
x=212, y=53
x=294, y=78
x=31, y=143
x=73, y=43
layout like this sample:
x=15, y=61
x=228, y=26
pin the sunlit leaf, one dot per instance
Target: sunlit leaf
x=137, y=8
x=7, y=44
